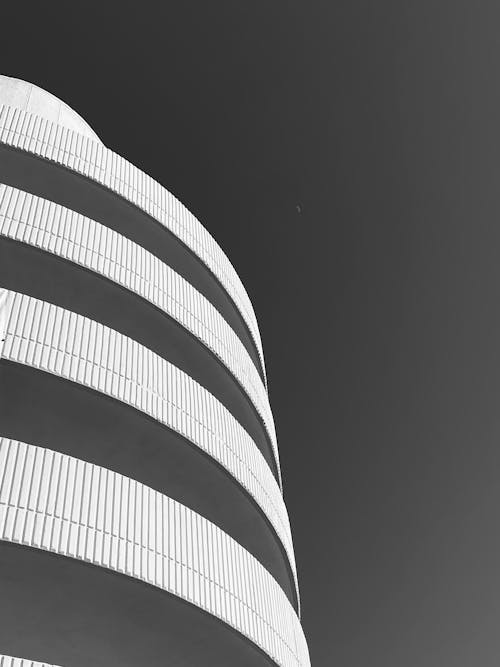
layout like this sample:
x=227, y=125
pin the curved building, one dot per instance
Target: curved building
x=142, y=520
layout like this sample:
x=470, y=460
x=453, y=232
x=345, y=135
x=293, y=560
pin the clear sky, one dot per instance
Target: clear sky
x=346, y=155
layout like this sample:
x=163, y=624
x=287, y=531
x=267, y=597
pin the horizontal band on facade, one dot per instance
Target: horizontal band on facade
x=8, y=661
x=60, y=504
x=71, y=236
x=79, y=153
x=106, y=361
x=28, y=270
x=30, y=97
x=77, y=614
x=54, y=182
x=49, y=411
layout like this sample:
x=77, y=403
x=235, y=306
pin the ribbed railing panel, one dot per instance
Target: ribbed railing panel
x=8, y=661
x=58, y=341
x=67, y=506
x=36, y=135
x=58, y=230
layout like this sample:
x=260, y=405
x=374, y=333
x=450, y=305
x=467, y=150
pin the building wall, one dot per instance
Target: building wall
x=141, y=512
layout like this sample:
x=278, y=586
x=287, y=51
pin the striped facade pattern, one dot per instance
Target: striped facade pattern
x=58, y=341
x=92, y=159
x=56, y=229
x=7, y=661
x=58, y=503
x=68, y=505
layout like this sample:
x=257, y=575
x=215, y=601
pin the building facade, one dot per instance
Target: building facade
x=142, y=520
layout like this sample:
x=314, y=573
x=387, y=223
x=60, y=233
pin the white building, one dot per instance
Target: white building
x=141, y=514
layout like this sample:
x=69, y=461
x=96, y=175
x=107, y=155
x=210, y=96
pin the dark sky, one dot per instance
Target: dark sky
x=378, y=299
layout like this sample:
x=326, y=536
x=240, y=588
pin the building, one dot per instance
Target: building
x=141, y=515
